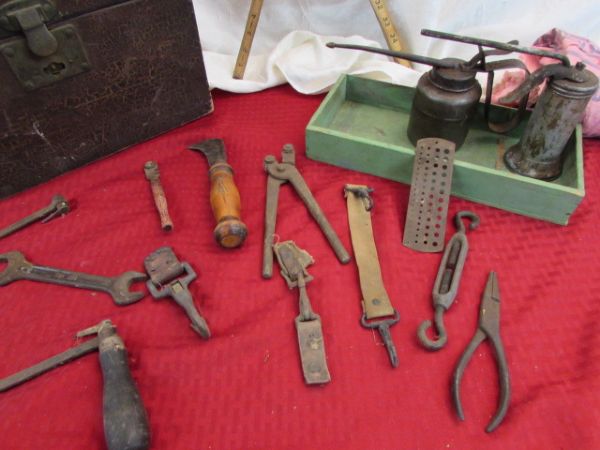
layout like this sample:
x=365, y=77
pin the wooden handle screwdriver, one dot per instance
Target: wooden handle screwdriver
x=230, y=231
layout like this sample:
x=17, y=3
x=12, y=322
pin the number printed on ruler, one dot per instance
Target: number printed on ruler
x=383, y=16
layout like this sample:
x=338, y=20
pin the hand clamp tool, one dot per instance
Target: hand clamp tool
x=280, y=173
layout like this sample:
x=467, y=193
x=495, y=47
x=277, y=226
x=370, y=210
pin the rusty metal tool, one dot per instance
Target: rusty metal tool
x=488, y=328
x=166, y=280
x=126, y=424
x=293, y=262
x=378, y=311
x=447, y=280
x=160, y=200
x=18, y=268
x=280, y=173
x=230, y=231
x=58, y=206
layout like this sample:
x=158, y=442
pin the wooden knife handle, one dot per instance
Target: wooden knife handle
x=230, y=231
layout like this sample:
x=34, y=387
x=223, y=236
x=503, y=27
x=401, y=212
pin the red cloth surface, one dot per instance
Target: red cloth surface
x=243, y=389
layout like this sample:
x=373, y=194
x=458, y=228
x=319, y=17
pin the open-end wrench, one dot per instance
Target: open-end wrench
x=18, y=268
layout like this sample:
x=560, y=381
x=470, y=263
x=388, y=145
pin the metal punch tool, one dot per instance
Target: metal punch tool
x=488, y=328
x=57, y=207
x=280, y=173
x=447, y=281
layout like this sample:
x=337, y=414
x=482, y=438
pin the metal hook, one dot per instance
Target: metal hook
x=460, y=226
x=442, y=336
x=447, y=280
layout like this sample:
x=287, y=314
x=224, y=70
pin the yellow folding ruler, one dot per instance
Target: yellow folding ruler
x=392, y=36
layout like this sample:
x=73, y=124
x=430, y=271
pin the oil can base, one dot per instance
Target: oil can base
x=541, y=170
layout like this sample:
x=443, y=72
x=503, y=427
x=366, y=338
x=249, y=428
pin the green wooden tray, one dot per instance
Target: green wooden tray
x=361, y=125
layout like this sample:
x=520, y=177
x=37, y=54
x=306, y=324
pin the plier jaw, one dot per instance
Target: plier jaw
x=489, y=327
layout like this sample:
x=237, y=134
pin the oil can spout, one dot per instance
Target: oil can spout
x=455, y=64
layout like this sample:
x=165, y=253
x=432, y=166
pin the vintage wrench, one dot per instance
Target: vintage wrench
x=57, y=207
x=18, y=268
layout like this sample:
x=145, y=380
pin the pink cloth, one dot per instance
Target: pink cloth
x=577, y=49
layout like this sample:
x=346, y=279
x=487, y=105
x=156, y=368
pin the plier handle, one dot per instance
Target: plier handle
x=280, y=173
x=488, y=328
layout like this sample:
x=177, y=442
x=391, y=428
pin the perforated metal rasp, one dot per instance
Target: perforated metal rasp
x=431, y=183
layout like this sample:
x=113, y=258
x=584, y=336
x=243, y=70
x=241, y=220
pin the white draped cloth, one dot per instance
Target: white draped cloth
x=289, y=45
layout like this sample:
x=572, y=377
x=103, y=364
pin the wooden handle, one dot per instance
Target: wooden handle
x=125, y=419
x=161, y=205
x=225, y=201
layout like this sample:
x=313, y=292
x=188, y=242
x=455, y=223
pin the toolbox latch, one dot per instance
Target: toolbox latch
x=31, y=20
x=45, y=55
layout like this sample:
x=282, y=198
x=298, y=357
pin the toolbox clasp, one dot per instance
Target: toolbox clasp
x=44, y=56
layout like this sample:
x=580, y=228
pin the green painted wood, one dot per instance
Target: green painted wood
x=361, y=125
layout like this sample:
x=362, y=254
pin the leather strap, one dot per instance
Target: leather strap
x=375, y=302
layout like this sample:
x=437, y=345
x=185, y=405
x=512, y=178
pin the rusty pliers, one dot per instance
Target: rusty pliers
x=488, y=327
x=280, y=173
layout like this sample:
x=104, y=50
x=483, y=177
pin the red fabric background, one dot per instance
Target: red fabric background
x=243, y=389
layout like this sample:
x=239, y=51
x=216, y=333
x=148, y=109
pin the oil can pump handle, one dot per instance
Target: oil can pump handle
x=507, y=46
x=555, y=71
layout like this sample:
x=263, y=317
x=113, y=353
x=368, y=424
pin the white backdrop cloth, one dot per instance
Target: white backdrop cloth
x=289, y=45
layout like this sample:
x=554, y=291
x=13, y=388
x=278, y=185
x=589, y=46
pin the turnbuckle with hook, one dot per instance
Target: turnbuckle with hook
x=447, y=281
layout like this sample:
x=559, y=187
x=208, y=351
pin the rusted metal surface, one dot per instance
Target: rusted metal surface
x=293, y=262
x=51, y=363
x=160, y=200
x=170, y=278
x=430, y=186
x=487, y=328
x=59, y=206
x=539, y=153
x=278, y=174
x=447, y=281
x=18, y=268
